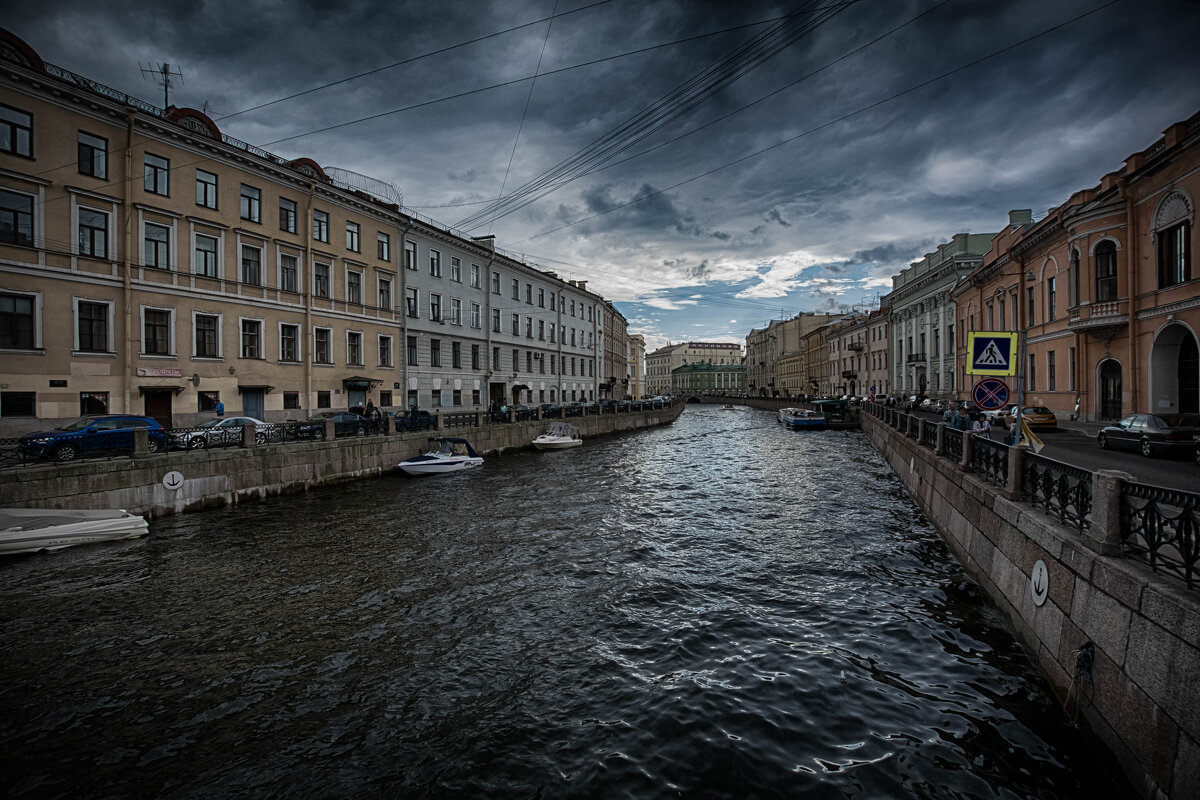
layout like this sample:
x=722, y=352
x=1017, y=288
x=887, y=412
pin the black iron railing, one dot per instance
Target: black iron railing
x=1059, y=489
x=990, y=459
x=952, y=441
x=1162, y=527
x=929, y=436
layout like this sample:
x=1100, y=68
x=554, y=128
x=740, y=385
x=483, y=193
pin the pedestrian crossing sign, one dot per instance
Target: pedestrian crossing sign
x=992, y=353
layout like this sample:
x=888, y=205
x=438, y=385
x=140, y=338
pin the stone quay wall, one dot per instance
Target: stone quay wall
x=1142, y=704
x=221, y=476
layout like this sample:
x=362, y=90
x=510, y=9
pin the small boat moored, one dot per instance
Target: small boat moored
x=801, y=418
x=29, y=530
x=453, y=455
x=559, y=436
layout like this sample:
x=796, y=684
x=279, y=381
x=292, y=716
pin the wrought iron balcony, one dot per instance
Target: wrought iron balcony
x=854, y=346
x=913, y=358
x=849, y=373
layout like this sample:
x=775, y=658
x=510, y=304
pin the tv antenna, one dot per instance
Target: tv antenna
x=161, y=74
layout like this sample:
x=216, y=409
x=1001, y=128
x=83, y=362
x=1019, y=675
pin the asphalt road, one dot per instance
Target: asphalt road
x=1075, y=444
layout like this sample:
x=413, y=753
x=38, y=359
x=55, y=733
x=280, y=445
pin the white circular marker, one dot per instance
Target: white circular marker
x=1039, y=583
x=173, y=480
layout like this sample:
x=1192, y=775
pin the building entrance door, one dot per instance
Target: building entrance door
x=1110, y=390
x=158, y=405
x=252, y=403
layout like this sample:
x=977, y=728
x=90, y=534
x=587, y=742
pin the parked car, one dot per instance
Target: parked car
x=1036, y=417
x=90, y=435
x=550, y=410
x=417, y=419
x=522, y=413
x=344, y=424
x=221, y=431
x=1153, y=434
x=575, y=409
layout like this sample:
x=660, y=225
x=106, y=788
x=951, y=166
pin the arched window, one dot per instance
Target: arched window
x=1173, y=230
x=1106, y=272
x=1074, y=299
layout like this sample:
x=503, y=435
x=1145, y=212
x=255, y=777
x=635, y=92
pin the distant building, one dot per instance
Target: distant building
x=636, y=366
x=782, y=341
x=704, y=378
x=663, y=361
x=614, y=376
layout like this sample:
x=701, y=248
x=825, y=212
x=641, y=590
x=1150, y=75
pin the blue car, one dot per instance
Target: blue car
x=92, y=435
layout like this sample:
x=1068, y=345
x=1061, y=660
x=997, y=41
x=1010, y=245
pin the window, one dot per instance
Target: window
x=528, y=361
x=495, y=283
x=529, y=294
x=354, y=287
x=155, y=253
x=435, y=398
x=289, y=342
x=411, y=351
x=529, y=327
x=287, y=215
x=455, y=311
x=542, y=329
x=474, y=356
x=1071, y=368
x=93, y=155
x=291, y=400
x=157, y=174
x=93, y=233
x=385, y=398
x=353, y=239
x=385, y=293
x=1029, y=312
x=321, y=280
x=1106, y=272
x=206, y=187
x=321, y=226
x=1051, y=297
x=323, y=399
x=475, y=276
x=1000, y=301
x=475, y=313
x=456, y=355
x=251, y=338
x=205, y=262
x=93, y=402
x=495, y=358
x=156, y=332
x=322, y=352
x=456, y=397
x=208, y=341
x=410, y=302
x=16, y=132
x=383, y=247
x=1031, y=378
x=16, y=218
x=385, y=358
x=495, y=320
x=516, y=289
x=410, y=255
x=17, y=328
x=541, y=298
x=1073, y=300
x=18, y=404
x=251, y=265
x=456, y=269
x=354, y=353
x=1174, y=255
x=288, y=273
x=435, y=263
x=1050, y=381
x=435, y=307
x=516, y=324
x=251, y=203
x=516, y=359
x=92, y=326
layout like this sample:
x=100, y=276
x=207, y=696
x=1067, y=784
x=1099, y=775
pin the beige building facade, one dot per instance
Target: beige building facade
x=665, y=360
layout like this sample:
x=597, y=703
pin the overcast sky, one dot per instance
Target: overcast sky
x=826, y=150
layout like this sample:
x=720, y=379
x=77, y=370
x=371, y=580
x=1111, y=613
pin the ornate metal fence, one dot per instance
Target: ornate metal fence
x=1057, y=488
x=990, y=459
x=1162, y=527
x=928, y=436
x=953, y=442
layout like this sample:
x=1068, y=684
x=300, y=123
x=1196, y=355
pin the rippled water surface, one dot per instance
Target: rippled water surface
x=716, y=608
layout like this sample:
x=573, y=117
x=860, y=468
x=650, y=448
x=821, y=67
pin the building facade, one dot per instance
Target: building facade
x=773, y=353
x=151, y=264
x=665, y=360
x=1103, y=290
x=706, y=378
x=636, y=365
x=922, y=317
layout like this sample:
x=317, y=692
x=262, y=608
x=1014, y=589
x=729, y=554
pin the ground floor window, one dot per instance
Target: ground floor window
x=457, y=397
x=412, y=397
x=18, y=404
x=93, y=403
x=323, y=400
x=291, y=399
x=475, y=397
x=209, y=400
x=385, y=398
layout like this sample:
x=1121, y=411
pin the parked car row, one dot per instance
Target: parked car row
x=1154, y=434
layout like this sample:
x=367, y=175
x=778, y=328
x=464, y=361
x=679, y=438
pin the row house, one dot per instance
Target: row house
x=1103, y=290
x=635, y=371
x=614, y=373
x=777, y=351
x=151, y=264
x=858, y=355
x=708, y=378
x=922, y=316
x=815, y=344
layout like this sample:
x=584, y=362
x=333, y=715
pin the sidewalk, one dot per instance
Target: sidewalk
x=1088, y=429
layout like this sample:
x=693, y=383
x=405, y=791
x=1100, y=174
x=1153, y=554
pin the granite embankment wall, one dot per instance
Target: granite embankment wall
x=1143, y=701
x=217, y=477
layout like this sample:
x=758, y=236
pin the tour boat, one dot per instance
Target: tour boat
x=727, y=407
x=29, y=530
x=801, y=418
x=559, y=436
x=452, y=455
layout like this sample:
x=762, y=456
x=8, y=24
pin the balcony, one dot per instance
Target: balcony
x=914, y=358
x=849, y=373
x=857, y=346
x=1102, y=320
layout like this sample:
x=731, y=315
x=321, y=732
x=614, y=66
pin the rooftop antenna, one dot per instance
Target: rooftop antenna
x=161, y=74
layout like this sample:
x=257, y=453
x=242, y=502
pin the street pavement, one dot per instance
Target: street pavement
x=1075, y=443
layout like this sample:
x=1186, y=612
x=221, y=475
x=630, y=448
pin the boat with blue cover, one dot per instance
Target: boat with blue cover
x=802, y=418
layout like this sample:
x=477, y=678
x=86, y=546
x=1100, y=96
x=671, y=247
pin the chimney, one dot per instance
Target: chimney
x=487, y=242
x=582, y=285
x=1019, y=217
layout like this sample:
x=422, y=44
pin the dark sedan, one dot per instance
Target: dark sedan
x=1153, y=434
x=344, y=424
x=550, y=410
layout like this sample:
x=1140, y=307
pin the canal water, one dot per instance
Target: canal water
x=717, y=608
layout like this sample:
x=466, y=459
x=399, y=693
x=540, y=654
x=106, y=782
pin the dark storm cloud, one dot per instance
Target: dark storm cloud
x=874, y=176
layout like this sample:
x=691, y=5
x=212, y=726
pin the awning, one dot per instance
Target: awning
x=359, y=382
x=159, y=388
x=262, y=386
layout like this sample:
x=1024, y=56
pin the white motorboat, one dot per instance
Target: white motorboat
x=559, y=436
x=28, y=530
x=452, y=455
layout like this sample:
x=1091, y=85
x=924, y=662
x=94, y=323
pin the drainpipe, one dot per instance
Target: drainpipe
x=128, y=264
